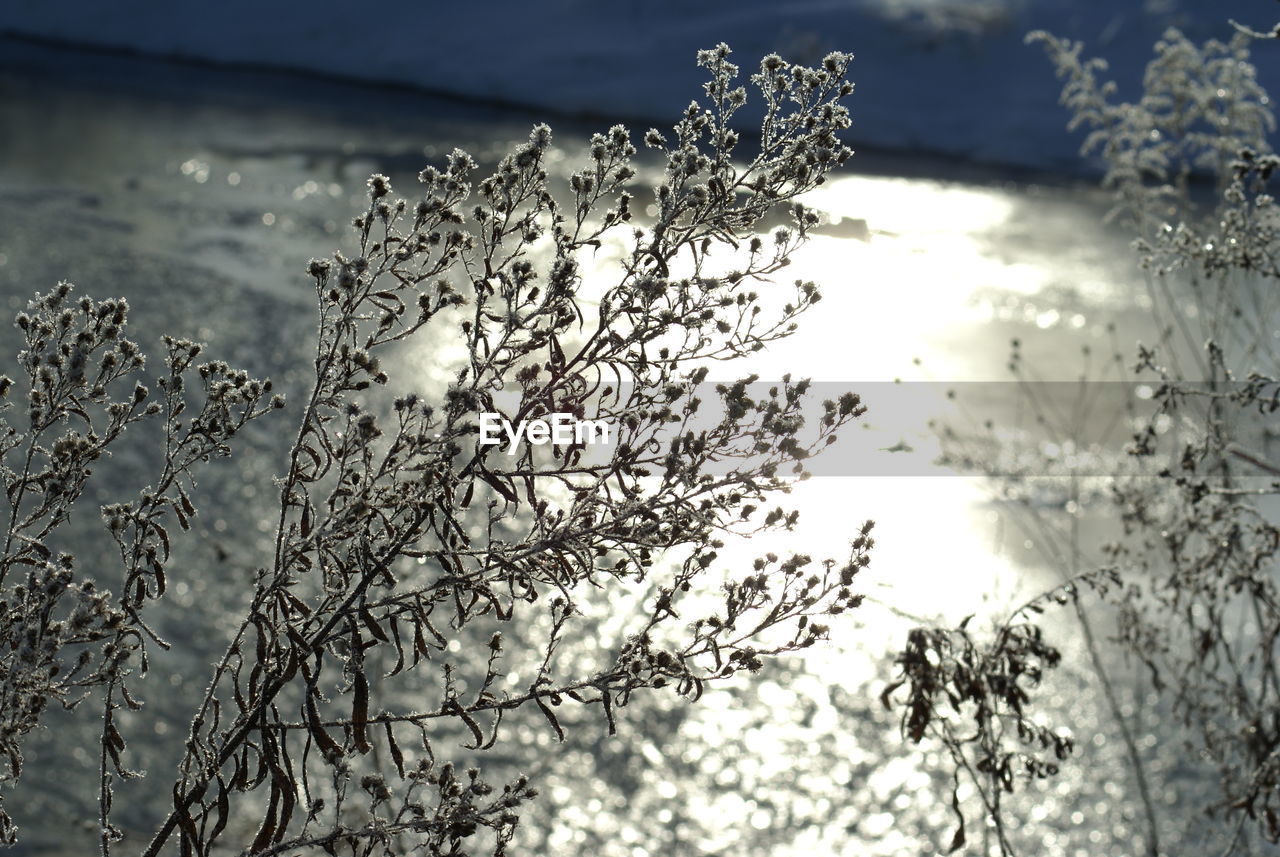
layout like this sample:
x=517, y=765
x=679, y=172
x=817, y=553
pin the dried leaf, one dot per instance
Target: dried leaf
x=360, y=713
x=551, y=718
x=396, y=755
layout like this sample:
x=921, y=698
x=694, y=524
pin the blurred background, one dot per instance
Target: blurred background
x=193, y=157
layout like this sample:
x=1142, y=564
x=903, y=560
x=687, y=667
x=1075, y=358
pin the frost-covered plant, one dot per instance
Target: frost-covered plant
x=64, y=638
x=407, y=555
x=1176, y=620
x=1200, y=107
x=1190, y=166
x=970, y=693
x=1201, y=610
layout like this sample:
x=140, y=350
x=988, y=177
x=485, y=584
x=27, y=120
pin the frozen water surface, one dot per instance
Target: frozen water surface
x=203, y=209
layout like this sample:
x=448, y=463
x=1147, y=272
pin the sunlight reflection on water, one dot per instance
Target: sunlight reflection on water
x=913, y=298
x=910, y=269
x=913, y=301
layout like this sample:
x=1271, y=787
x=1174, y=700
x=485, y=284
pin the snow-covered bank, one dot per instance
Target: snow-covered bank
x=949, y=76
